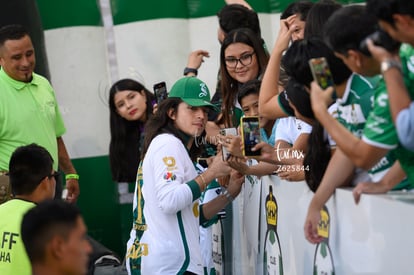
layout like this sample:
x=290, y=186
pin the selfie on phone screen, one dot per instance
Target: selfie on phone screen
x=251, y=135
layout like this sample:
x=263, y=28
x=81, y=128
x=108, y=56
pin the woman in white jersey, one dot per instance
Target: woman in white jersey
x=167, y=215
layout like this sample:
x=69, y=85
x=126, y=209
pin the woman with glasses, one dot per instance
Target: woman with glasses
x=242, y=58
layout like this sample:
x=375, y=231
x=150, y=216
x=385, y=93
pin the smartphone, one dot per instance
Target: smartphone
x=160, y=91
x=321, y=73
x=225, y=132
x=202, y=162
x=250, y=134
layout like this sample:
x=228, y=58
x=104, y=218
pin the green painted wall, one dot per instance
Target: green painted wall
x=108, y=222
x=58, y=14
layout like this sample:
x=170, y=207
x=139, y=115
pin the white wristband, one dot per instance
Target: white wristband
x=228, y=196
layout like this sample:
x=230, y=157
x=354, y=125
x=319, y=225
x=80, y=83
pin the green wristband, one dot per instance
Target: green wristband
x=72, y=176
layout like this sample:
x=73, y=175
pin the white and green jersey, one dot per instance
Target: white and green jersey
x=355, y=105
x=406, y=157
x=170, y=242
x=206, y=231
x=353, y=111
x=135, y=249
x=380, y=132
x=405, y=119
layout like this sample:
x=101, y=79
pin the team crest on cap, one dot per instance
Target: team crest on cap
x=203, y=88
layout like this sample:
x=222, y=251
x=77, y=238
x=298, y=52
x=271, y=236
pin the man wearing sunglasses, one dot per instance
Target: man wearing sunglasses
x=32, y=180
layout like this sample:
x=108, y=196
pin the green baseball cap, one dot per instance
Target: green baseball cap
x=192, y=91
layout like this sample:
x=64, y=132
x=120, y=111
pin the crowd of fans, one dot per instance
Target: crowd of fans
x=357, y=131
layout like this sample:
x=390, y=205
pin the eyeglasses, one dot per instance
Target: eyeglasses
x=245, y=59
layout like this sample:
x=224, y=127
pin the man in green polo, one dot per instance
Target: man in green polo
x=29, y=112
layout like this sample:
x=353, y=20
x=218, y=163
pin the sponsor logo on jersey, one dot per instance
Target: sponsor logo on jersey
x=169, y=176
x=170, y=162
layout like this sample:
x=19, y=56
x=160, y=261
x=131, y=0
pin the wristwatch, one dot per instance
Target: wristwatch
x=190, y=70
x=388, y=64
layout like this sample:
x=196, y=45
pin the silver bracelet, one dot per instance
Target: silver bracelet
x=228, y=196
x=390, y=63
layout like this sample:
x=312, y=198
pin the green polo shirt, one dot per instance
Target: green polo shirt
x=13, y=256
x=29, y=113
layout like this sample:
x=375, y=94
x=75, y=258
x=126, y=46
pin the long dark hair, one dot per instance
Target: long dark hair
x=162, y=123
x=236, y=16
x=124, y=147
x=229, y=86
x=295, y=61
x=317, y=17
x=317, y=156
x=318, y=152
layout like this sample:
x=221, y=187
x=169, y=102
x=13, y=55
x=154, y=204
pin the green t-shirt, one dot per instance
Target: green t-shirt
x=13, y=257
x=406, y=157
x=29, y=113
x=353, y=110
x=380, y=130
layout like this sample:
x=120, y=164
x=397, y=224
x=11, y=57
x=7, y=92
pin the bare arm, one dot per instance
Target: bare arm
x=362, y=154
x=212, y=207
x=195, y=59
x=269, y=91
x=397, y=92
x=65, y=164
x=301, y=143
x=260, y=169
x=393, y=177
x=278, y=156
x=217, y=168
x=338, y=172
